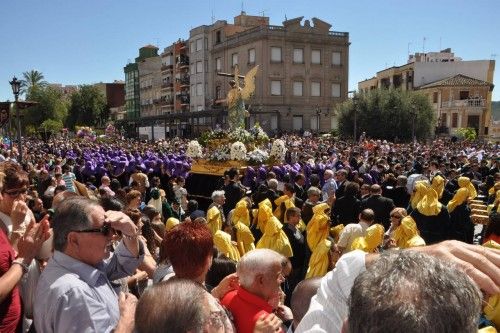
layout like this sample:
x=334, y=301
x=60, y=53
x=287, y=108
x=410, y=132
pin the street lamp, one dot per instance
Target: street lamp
x=318, y=115
x=16, y=87
x=413, y=115
x=355, y=104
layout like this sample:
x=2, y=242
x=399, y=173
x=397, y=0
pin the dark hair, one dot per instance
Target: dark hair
x=188, y=245
x=192, y=205
x=351, y=189
x=292, y=211
x=221, y=267
x=114, y=185
x=176, y=305
x=289, y=187
x=150, y=212
x=494, y=226
x=407, y=291
x=314, y=180
x=15, y=176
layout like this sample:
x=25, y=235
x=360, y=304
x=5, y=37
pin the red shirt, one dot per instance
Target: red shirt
x=246, y=309
x=10, y=308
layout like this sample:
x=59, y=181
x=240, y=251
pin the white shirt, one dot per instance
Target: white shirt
x=329, y=308
x=350, y=233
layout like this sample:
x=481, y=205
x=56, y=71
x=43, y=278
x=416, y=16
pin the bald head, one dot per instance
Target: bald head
x=301, y=297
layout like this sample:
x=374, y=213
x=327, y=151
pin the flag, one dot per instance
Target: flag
x=4, y=113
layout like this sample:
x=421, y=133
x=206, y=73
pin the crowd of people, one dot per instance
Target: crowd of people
x=371, y=236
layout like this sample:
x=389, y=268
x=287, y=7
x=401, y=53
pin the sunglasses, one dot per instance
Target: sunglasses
x=15, y=193
x=396, y=216
x=105, y=230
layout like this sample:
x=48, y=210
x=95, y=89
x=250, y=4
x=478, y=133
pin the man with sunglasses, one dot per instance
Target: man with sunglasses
x=74, y=293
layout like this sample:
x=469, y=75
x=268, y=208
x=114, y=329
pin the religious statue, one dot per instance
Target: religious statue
x=237, y=96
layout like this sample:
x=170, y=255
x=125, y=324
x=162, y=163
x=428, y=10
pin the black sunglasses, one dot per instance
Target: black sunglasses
x=105, y=230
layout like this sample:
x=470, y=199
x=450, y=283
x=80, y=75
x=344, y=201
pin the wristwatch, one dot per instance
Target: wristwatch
x=20, y=262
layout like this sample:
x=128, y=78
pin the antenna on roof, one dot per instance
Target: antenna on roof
x=409, y=43
x=286, y=19
x=263, y=12
x=423, y=45
x=493, y=56
x=213, y=17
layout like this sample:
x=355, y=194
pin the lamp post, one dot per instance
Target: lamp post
x=16, y=87
x=413, y=115
x=318, y=115
x=355, y=104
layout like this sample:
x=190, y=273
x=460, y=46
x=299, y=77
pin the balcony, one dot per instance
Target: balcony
x=471, y=103
x=184, y=99
x=167, y=67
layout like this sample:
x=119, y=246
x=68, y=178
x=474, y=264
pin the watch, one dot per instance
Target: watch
x=22, y=264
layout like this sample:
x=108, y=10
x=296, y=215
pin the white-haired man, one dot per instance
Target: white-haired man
x=215, y=212
x=260, y=274
x=330, y=185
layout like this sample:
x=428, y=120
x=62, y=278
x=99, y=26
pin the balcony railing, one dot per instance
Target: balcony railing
x=471, y=102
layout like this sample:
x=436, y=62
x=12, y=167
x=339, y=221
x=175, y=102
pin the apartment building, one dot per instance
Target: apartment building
x=115, y=98
x=460, y=91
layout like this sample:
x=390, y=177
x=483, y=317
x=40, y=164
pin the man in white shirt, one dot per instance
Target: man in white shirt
x=355, y=230
x=330, y=307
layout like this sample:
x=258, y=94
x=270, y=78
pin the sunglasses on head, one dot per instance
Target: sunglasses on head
x=396, y=216
x=15, y=193
x=105, y=230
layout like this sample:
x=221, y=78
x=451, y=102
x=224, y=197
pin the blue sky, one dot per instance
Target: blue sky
x=88, y=41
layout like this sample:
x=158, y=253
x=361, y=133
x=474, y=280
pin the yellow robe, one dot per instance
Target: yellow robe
x=336, y=231
x=214, y=219
x=458, y=199
x=241, y=214
x=318, y=226
x=465, y=182
x=407, y=235
x=373, y=239
x=265, y=212
x=244, y=238
x=223, y=243
x=429, y=205
x=288, y=204
x=438, y=185
x=318, y=264
x=171, y=222
x=274, y=238
x=419, y=193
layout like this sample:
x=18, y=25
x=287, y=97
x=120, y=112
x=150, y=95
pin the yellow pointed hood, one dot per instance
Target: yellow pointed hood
x=419, y=193
x=240, y=213
x=464, y=182
x=429, y=205
x=438, y=185
x=459, y=198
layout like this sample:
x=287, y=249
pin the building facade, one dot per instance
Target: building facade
x=115, y=98
x=433, y=73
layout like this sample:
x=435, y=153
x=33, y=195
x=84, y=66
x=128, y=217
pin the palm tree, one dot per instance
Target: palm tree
x=32, y=79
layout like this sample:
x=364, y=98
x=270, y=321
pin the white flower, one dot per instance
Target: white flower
x=194, y=150
x=238, y=151
x=220, y=154
x=278, y=150
x=258, y=156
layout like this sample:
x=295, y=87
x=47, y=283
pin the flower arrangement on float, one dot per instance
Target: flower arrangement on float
x=238, y=151
x=85, y=133
x=278, y=150
x=194, y=150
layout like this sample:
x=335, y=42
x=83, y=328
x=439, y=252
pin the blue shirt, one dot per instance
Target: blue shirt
x=72, y=296
x=329, y=186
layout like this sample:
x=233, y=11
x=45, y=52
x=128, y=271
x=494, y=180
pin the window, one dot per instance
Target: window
x=454, y=120
x=251, y=56
x=335, y=89
x=314, y=122
x=275, y=88
x=315, y=89
x=199, y=44
x=435, y=97
x=464, y=95
x=298, y=88
x=275, y=54
x=316, y=57
x=192, y=46
x=336, y=56
x=217, y=92
x=193, y=68
x=234, y=59
x=218, y=37
x=199, y=67
x=199, y=89
x=274, y=122
x=298, y=56
x=297, y=123
x=218, y=64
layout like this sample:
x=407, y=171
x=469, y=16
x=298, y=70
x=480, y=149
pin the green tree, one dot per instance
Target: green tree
x=387, y=114
x=32, y=81
x=88, y=108
x=51, y=105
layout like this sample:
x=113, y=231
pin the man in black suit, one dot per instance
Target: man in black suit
x=300, y=192
x=289, y=190
x=380, y=205
x=341, y=182
x=233, y=191
x=399, y=194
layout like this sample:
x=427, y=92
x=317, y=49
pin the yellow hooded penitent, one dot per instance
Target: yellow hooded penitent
x=171, y=222
x=438, y=185
x=492, y=308
x=406, y=234
x=318, y=264
x=459, y=198
x=429, y=204
x=265, y=212
x=317, y=228
x=464, y=182
x=222, y=241
x=214, y=219
x=335, y=232
x=274, y=238
x=373, y=239
x=244, y=238
x=419, y=193
x=241, y=214
x=287, y=201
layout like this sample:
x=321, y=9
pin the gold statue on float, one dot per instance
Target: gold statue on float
x=237, y=96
